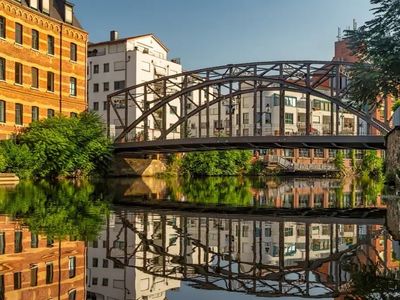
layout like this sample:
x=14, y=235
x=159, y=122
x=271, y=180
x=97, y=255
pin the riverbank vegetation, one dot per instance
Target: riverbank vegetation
x=57, y=209
x=58, y=147
x=212, y=163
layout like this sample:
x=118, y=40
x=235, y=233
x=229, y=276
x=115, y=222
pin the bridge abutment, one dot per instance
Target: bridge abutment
x=124, y=165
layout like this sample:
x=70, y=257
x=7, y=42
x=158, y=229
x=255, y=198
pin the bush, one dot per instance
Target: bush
x=59, y=147
x=217, y=163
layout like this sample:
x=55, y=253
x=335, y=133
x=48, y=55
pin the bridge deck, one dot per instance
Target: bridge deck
x=252, y=142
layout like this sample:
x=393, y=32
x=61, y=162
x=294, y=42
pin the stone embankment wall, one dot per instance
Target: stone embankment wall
x=393, y=217
x=393, y=151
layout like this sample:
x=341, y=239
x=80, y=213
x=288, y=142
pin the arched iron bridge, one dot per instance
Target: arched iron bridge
x=157, y=116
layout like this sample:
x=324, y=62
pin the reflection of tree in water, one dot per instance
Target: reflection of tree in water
x=370, y=276
x=58, y=210
x=218, y=190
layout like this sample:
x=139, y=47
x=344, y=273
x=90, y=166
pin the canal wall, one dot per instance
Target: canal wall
x=393, y=152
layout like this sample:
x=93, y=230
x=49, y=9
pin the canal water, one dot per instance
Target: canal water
x=214, y=238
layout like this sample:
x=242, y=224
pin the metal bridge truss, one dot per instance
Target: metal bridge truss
x=189, y=96
x=224, y=266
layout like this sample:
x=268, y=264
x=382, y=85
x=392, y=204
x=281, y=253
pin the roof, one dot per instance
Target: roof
x=56, y=11
x=122, y=40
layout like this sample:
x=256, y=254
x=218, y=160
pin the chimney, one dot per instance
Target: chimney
x=114, y=35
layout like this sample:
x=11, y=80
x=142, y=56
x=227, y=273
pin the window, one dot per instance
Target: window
x=2, y=242
x=288, y=118
x=46, y=6
x=72, y=267
x=17, y=281
x=68, y=13
x=94, y=281
x=3, y=27
x=104, y=105
x=95, y=244
x=34, y=240
x=105, y=263
x=105, y=282
x=49, y=273
x=319, y=153
x=95, y=88
x=35, y=39
x=50, y=113
x=106, y=68
x=119, y=85
x=95, y=262
x=50, y=44
x=34, y=275
x=19, y=112
x=73, y=115
x=2, y=287
x=290, y=101
x=19, y=29
x=18, y=242
x=96, y=69
x=34, y=4
x=303, y=152
x=268, y=118
x=18, y=73
x=96, y=106
x=2, y=111
x=106, y=86
x=72, y=86
x=35, y=78
x=2, y=69
x=288, y=153
x=73, y=55
x=50, y=81
x=50, y=242
x=288, y=231
x=35, y=113
x=245, y=118
x=72, y=295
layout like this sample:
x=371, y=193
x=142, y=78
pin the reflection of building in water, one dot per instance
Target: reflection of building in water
x=323, y=193
x=119, y=279
x=33, y=267
x=252, y=256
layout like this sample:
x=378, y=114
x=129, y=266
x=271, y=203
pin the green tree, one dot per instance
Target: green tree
x=376, y=45
x=59, y=146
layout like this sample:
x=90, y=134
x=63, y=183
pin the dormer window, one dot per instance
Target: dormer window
x=68, y=13
x=34, y=4
x=46, y=6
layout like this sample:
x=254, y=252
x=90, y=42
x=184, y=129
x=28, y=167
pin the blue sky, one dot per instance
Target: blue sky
x=215, y=32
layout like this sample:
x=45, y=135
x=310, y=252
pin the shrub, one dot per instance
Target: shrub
x=59, y=146
x=216, y=163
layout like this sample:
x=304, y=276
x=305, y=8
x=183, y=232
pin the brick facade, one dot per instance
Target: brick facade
x=60, y=63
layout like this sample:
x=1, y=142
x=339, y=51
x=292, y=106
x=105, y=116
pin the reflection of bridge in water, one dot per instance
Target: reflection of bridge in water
x=250, y=255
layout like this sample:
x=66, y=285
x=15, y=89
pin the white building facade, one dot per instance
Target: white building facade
x=119, y=63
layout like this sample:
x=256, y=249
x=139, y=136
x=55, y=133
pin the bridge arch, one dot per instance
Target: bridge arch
x=325, y=80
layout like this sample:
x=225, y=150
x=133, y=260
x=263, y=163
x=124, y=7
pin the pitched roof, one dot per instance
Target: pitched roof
x=121, y=40
x=56, y=11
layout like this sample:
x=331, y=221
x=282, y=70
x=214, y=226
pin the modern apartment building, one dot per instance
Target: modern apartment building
x=124, y=62
x=42, y=62
x=35, y=267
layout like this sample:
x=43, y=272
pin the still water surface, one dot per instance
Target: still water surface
x=83, y=241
